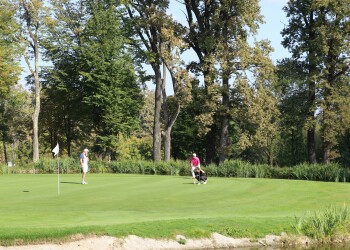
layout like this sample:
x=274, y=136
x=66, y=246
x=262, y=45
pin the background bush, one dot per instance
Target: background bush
x=230, y=168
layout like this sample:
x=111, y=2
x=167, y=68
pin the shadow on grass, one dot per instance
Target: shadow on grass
x=70, y=182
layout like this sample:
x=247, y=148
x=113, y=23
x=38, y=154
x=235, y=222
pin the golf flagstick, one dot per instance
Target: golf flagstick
x=55, y=151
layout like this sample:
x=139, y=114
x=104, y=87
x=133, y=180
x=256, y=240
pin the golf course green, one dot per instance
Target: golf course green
x=156, y=206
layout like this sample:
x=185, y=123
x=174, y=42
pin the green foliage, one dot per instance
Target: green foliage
x=133, y=147
x=317, y=35
x=3, y=168
x=184, y=169
x=126, y=167
x=185, y=133
x=282, y=173
x=229, y=168
x=211, y=170
x=92, y=90
x=319, y=172
x=322, y=225
x=238, y=168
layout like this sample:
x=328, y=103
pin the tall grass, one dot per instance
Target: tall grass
x=322, y=225
x=332, y=172
x=319, y=172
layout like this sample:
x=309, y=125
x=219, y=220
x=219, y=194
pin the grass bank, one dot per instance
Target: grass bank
x=155, y=206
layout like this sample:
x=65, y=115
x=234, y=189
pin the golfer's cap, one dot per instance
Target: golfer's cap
x=86, y=150
x=194, y=154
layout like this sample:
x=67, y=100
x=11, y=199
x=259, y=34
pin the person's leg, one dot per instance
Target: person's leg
x=83, y=181
x=205, y=179
x=193, y=175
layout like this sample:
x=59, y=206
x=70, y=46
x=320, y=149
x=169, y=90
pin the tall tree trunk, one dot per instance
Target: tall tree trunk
x=326, y=150
x=210, y=141
x=224, y=122
x=311, y=146
x=157, y=138
x=4, y=146
x=225, y=93
x=37, y=104
x=167, y=144
x=167, y=129
x=169, y=120
x=311, y=130
x=167, y=133
x=32, y=20
x=68, y=129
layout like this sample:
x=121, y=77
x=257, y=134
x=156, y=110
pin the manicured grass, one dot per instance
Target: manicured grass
x=156, y=206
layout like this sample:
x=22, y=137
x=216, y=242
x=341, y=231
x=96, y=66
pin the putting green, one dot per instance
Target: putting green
x=32, y=202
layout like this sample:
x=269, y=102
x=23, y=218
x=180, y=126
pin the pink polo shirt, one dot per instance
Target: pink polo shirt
x=195, y=161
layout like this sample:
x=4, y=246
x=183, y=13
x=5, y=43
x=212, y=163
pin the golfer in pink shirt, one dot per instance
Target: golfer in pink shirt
x=195, y=163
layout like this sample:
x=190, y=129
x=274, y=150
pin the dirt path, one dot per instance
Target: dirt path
x=133, y=242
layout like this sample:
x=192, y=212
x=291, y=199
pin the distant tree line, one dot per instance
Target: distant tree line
x=90, y=62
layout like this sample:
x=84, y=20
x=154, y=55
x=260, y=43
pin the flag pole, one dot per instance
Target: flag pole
x=56, y=151
x=58, y=171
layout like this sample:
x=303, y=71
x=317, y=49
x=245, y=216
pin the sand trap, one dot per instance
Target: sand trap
x=133, y=242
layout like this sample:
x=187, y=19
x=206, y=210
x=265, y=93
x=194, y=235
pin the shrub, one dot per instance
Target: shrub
x=322, y=225
x=318, y=172
x=125, y=167
x=227, y=168
x=175, y=166
x=162, y=168
x=211, y=170
x=261, y=171
x=184, y=170
x=282, y=173
x=147, y=167
x=98, y=167
x=3, y=168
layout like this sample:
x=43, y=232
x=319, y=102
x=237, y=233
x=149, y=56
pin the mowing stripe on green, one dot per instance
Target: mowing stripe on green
x=112, y=203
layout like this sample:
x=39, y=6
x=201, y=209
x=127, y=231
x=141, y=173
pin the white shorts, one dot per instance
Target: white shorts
x=192, y=171
x=85, y=168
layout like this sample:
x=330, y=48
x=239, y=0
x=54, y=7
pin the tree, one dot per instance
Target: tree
x=108, y=75
x=218, y=32
x=65, y=115
x=172, y=45
x=94, y=78
x=301, y=39
x=15, y=119
x=186, y=135
x=318, y=36
x=255, y=108
x=32, y=15
x=334, y=30
x=293, y=107
x=144, y=20
x=9, y=68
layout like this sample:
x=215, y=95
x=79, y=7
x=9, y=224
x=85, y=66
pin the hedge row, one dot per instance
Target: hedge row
x=232, y=168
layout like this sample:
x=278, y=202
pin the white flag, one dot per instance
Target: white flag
x=56, y=150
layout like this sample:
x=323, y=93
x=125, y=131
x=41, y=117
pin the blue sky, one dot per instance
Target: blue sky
x=275, y=19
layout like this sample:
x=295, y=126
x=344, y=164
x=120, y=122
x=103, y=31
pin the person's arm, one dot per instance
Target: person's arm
x=199, y=166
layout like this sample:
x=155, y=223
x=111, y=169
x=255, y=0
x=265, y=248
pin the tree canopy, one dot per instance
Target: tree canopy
x=228, y=100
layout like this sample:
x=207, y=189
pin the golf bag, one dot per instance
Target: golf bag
x=201, y=176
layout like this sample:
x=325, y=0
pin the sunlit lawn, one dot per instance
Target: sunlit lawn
x=156, y=206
